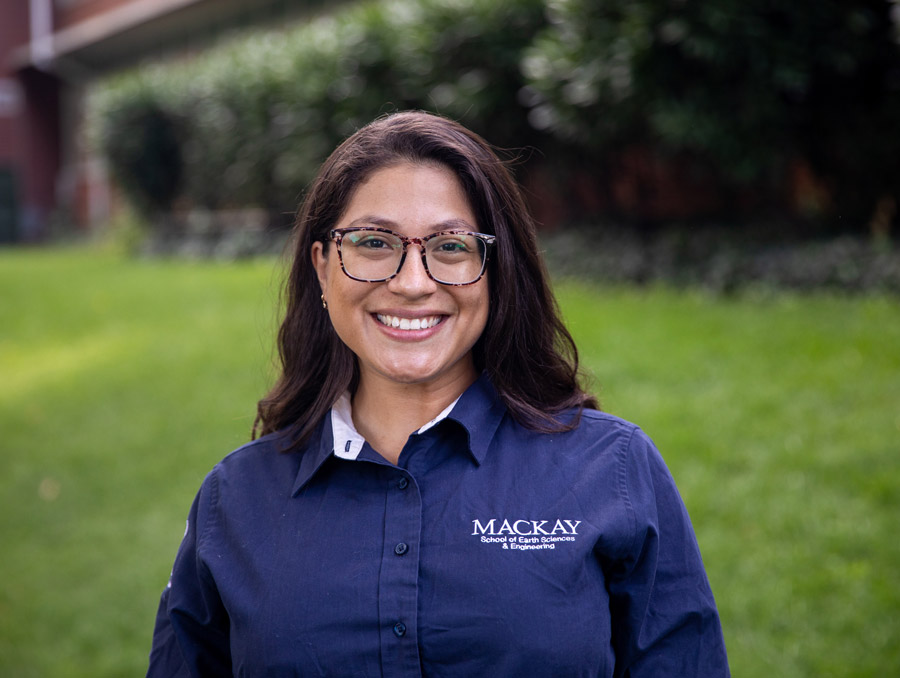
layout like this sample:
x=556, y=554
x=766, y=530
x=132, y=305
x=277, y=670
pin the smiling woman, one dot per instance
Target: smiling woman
x=412, y=336
x=449, y=179
x=433, y=492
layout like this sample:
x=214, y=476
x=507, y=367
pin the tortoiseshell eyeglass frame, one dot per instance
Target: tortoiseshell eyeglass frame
x=338, y=234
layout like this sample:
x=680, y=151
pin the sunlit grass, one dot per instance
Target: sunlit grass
x=779, y=416
x=124, y=381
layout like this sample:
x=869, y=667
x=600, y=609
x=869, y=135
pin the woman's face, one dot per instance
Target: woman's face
x=414, y=200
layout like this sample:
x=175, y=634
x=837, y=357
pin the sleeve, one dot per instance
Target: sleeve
x=191, y=633
x=664, y=617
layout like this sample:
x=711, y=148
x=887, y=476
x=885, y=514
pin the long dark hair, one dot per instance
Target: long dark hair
x=525, y=349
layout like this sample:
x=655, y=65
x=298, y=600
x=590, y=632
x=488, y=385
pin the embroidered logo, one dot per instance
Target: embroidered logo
x=525, y=535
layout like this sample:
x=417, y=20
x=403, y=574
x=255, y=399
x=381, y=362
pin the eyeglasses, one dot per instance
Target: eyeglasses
x=372, y=254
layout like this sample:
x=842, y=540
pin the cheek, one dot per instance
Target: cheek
x=332, y=272
x=480, y=309
x=344, y=300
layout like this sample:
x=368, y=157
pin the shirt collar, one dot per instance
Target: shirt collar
x=347, y=440
x=478, y=411
x=314, y=454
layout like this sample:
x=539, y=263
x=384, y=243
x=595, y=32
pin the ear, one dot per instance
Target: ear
x=320, y=263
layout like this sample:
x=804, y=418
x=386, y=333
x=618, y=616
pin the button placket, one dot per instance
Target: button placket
x=399, y=578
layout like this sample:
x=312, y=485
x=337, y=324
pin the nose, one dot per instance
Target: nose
x=412, y=280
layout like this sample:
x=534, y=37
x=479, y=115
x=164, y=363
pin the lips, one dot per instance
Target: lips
x=409, y=324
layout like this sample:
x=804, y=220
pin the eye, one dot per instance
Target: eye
x=370, y=241
x=374, y=243
x=451, y=243
x=452, y=246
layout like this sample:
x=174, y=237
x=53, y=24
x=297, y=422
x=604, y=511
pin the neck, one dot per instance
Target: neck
x=387, y=413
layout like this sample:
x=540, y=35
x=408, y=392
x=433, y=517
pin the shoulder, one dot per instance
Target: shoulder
x=598, y=447
x=586, y=436
x=598, y=431
x=252, y=471
x=603, y=451
x=255, y=454
x=635, y=449
x=602, y=425
x=596, y=421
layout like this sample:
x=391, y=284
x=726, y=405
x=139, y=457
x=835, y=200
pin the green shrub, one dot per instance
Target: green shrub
x=142, y=144
x=746, y=85
x=257, y=116
x=738, y=90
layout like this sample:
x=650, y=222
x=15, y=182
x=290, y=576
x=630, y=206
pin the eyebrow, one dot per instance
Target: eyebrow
x=453, y=224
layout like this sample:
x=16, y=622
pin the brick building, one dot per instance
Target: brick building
x=50, y=52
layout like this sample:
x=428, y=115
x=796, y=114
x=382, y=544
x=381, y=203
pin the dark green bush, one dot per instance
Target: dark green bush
x=741, y=89
x=143, y=145
x=746, y=85
x=257, y=116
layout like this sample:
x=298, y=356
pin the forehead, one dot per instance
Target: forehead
x=411, y=198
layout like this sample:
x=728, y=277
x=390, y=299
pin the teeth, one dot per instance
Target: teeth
x=409, y=323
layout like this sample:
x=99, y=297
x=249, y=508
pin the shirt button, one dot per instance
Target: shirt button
x=399, y=629
x=401, y=548
x=403, y=483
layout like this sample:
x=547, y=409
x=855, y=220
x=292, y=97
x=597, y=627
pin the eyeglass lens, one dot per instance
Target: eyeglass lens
x=455, y=258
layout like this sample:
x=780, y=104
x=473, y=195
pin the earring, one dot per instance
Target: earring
x=324, y=303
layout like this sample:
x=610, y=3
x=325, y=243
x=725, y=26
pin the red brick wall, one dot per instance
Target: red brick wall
x=67, y=14
x=14, y=134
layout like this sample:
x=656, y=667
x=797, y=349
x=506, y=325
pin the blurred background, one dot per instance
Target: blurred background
x=722, y=143
x=717, y=190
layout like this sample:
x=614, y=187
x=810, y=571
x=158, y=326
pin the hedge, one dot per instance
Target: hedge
x=747, y=86
x=740, y=90
x=255, y=117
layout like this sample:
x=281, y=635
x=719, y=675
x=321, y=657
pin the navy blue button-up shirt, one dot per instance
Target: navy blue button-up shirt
x=488, y=550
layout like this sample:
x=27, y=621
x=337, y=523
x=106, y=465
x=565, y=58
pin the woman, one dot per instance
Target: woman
x=433, y=494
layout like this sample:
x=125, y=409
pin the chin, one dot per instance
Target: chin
x=422, y=373
x=411, y=376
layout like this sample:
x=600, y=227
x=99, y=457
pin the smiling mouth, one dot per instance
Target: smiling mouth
x=424, y=323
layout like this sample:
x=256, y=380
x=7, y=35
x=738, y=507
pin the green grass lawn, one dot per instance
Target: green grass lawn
x=122, y=382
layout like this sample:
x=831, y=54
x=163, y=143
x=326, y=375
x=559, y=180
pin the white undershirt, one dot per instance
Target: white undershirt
x=347, y=440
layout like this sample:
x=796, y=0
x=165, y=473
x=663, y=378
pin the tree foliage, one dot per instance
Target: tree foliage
x=144, y=148
x=747, y=87
x=259, y=114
